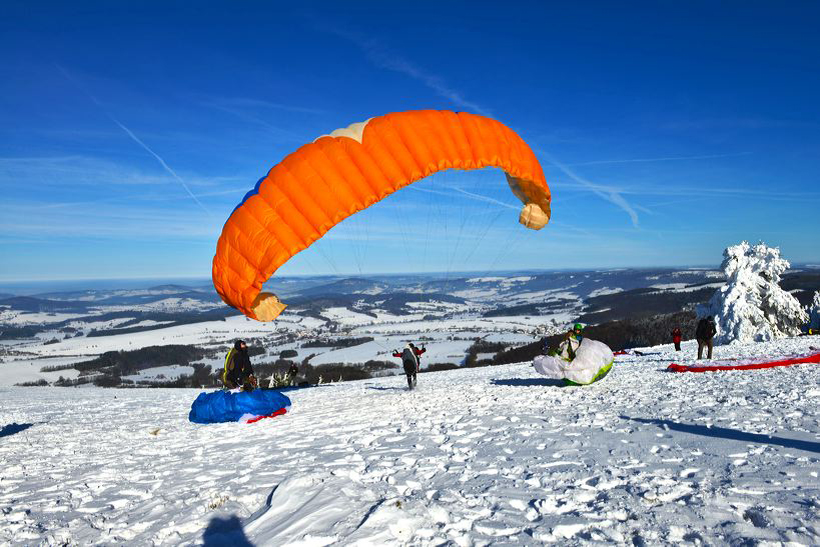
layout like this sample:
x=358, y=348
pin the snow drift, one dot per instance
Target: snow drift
x=475, y=456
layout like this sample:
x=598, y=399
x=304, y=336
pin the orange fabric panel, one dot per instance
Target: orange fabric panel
x=324, y=182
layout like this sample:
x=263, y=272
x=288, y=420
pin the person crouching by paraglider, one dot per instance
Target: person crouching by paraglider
x=238, y=372
x=410, y=359
x=569, y=346
x=676, y=338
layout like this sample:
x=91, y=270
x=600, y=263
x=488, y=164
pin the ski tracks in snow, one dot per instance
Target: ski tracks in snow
x=472, y=457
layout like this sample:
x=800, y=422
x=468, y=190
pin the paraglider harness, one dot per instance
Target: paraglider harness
x=410, y=360
x=228, y=358
x=575, y=335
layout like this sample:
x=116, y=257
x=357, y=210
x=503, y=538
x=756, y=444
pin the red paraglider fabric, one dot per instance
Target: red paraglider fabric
x=277, y=413
x=674, y=367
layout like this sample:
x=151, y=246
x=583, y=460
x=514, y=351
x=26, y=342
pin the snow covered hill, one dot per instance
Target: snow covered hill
x=42, y=335
x=481, y=456
x=38, y=332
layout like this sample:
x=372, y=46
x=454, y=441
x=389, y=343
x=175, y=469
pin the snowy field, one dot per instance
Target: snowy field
x=473, y=457
x=160, y=373
x=448, y=341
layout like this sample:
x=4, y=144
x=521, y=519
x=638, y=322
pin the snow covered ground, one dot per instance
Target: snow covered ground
x=473, y=457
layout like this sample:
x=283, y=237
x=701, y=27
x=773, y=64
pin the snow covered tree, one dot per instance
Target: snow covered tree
x=814, y=312
x=751, y=306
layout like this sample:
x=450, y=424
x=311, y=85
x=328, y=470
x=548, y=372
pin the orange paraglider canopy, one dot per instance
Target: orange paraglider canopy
x=337, y=175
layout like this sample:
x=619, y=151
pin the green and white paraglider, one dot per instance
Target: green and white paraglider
x=577, y=360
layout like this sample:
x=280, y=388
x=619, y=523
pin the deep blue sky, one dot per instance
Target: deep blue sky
x=667, y=131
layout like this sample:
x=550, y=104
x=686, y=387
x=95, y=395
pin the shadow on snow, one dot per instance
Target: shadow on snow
x=732, y=434
x=527, y=382
x=13, y=428
x=225, y=532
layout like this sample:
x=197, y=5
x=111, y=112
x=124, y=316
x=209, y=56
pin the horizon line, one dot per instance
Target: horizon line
x=363, y=274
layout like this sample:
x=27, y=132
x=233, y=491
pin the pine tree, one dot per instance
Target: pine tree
x=751, y=306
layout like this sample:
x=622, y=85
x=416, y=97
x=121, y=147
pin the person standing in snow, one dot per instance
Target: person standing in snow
x=676, y=337
x=705, y=333
x=292, y=372
x=238, y=371
x=410, y=359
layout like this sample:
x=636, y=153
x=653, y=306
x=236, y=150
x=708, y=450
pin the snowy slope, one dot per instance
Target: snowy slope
x=473, y=457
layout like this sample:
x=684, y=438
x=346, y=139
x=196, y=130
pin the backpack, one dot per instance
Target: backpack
x=408, y=358
x=700, y=333
x=225, y=370
x=711, y=330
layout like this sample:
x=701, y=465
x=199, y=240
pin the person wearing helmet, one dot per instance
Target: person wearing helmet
x=569, y=346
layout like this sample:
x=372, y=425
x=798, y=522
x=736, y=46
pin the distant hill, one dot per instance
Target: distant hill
x=32, y=304
x=351, y=285
x=125, y=297
x=802, y=285
x=394, y=302
x=639, y=303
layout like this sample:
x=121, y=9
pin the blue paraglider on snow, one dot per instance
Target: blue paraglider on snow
x=224, y=406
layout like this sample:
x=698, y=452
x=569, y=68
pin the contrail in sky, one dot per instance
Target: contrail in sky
x=160, y=160
x=377, y=54
x=135, y=139
x=474, y=197
x=609, y=194
x=479, y=197
x=671, y=158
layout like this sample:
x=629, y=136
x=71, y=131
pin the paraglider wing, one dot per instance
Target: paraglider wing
x=755, y=365
x=592, y=362
x=337, y=175
x=224, y=406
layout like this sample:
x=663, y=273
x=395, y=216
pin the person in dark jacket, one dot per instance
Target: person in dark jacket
x=705, y=333
x=410, y=359
x=238, y=371
x=676, y=337
x=292, y=372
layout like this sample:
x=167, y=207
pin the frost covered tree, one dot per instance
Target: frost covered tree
x=814, y=312
x=751, y=306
